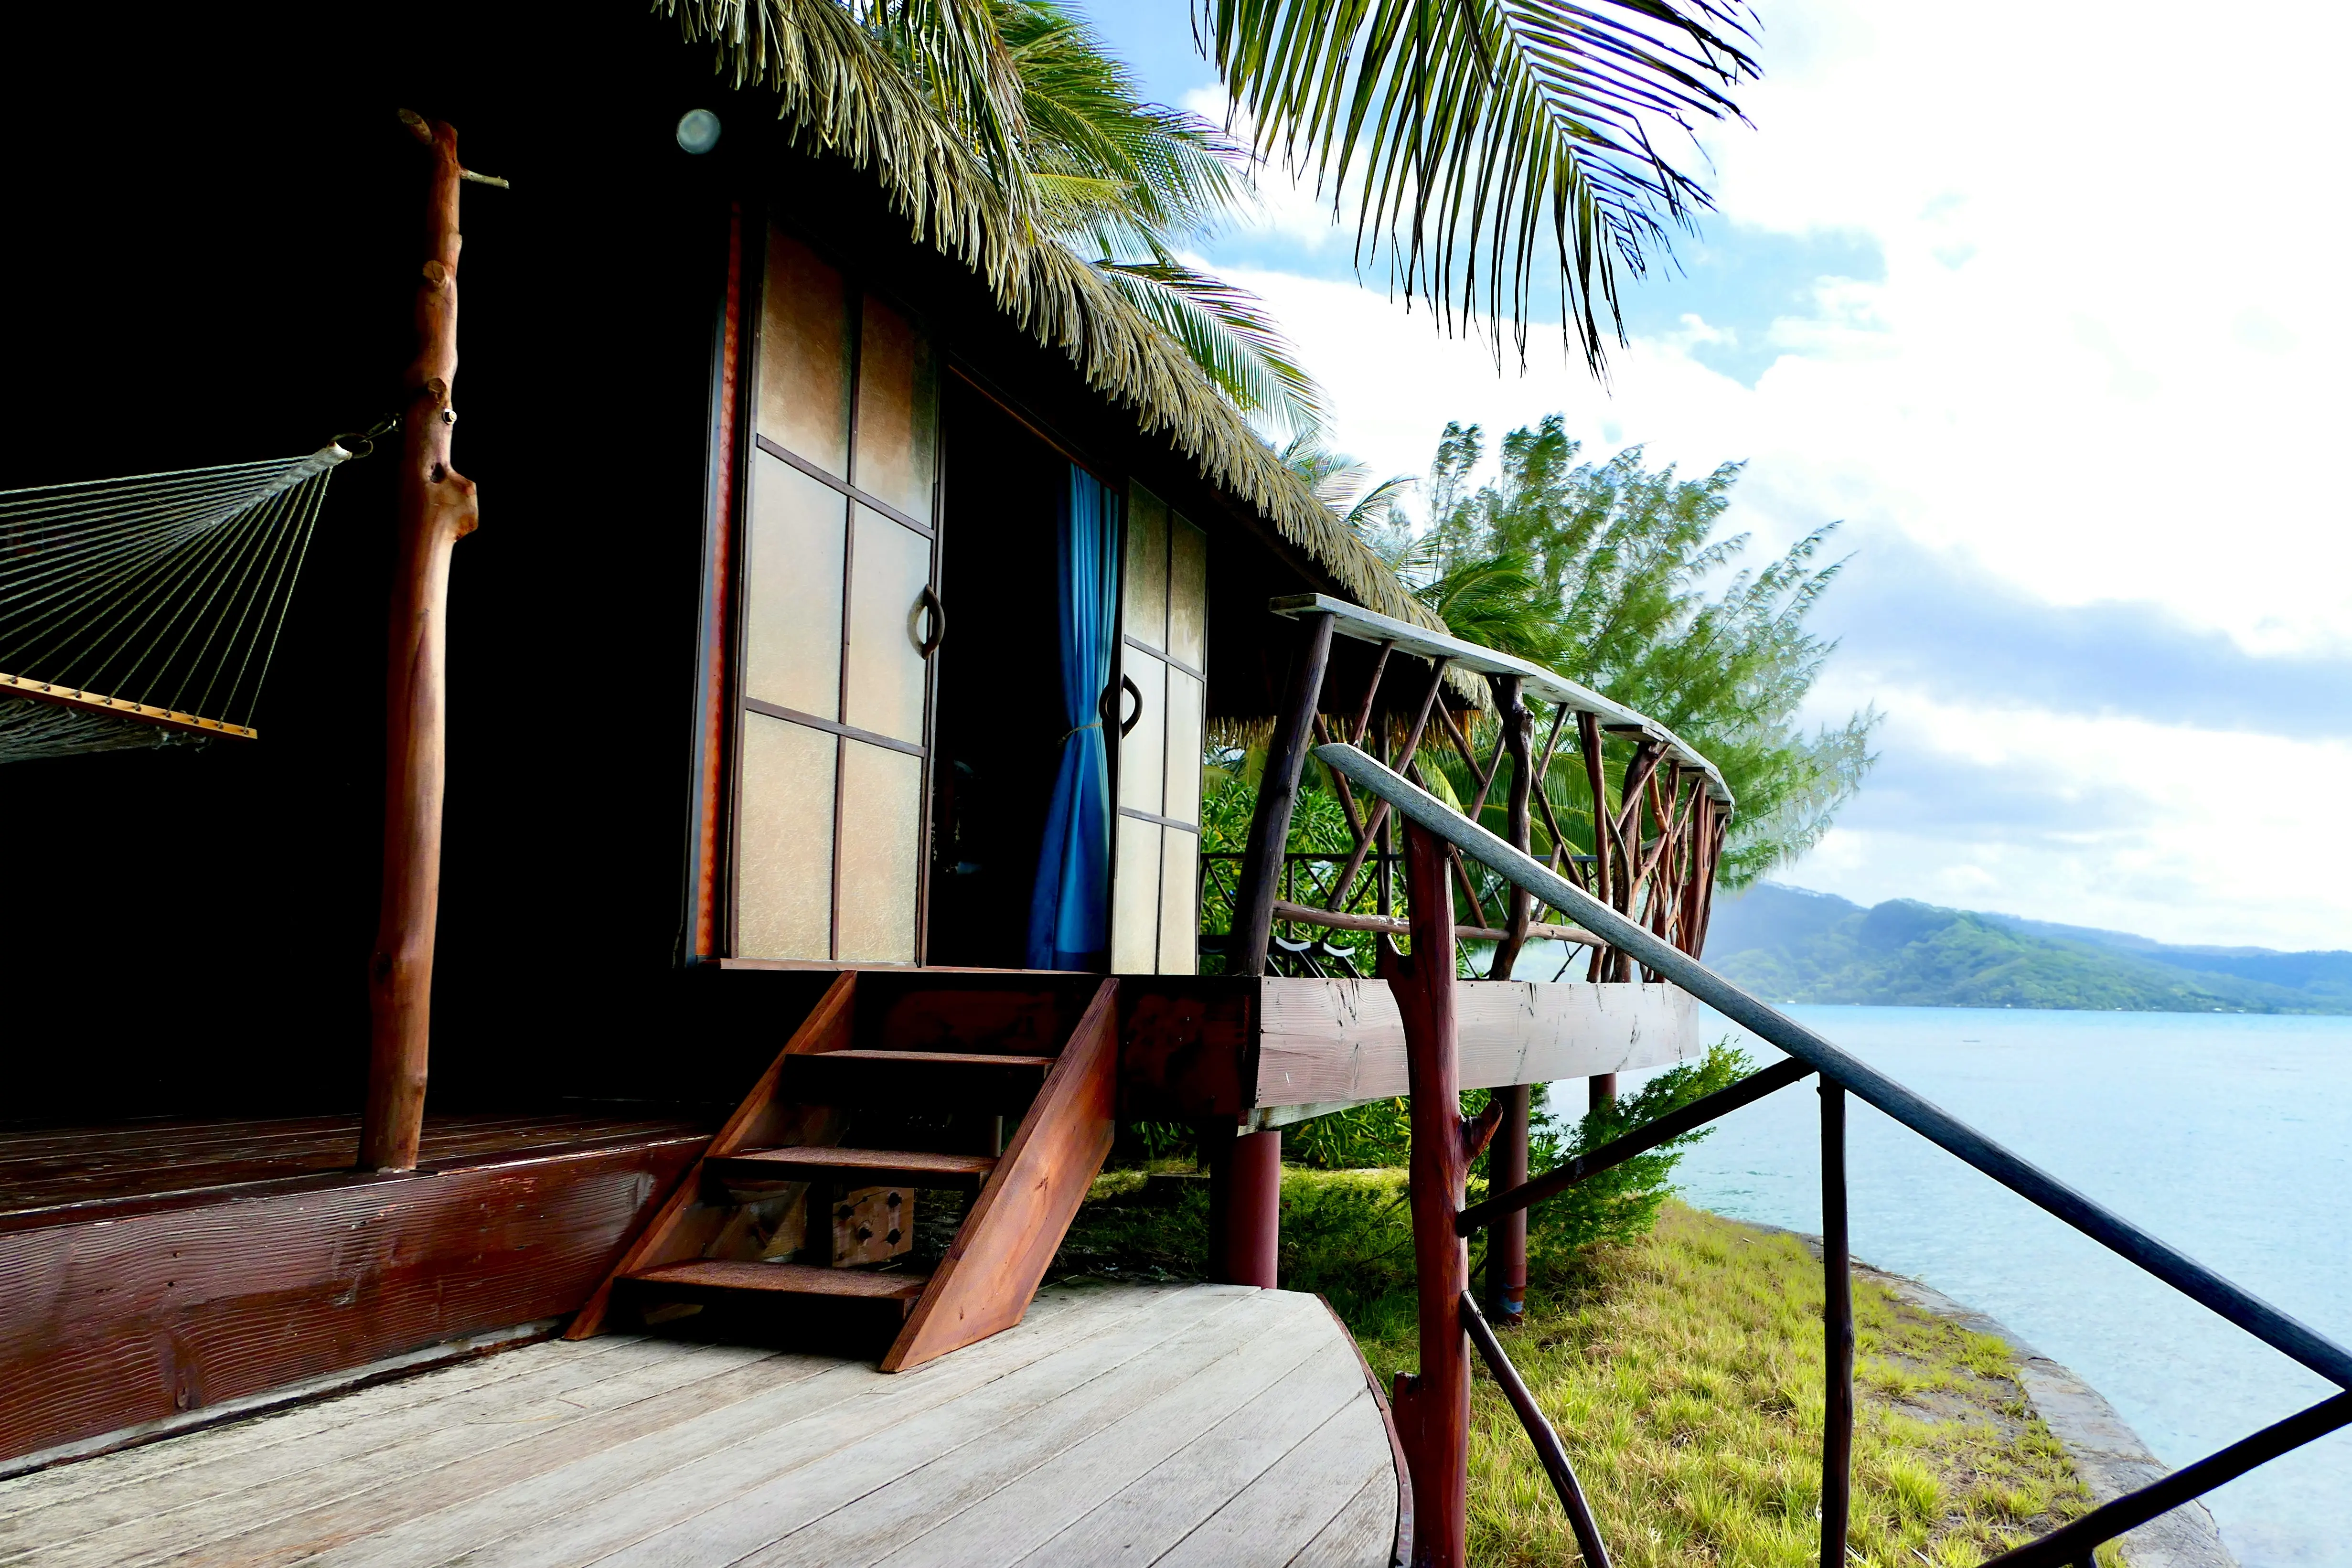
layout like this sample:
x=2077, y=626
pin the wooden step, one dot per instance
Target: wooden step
x=787, y=1278
x=944, y=1080
x=858, y=1167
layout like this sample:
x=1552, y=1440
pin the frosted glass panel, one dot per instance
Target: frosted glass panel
x=1182, y=801
x=1135, y=899
x=1140, y=754
x=1179, y=949
x=805, y=356
x=898, y=413
x=1143, y=613
x=792, y=607
x=881, y=852
x=784, y=869
x=891, y=566
x=1188, y=593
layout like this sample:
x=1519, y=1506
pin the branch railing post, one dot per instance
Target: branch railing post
x=1432, y=1404
x=1837, y=1334
x=1278, y=797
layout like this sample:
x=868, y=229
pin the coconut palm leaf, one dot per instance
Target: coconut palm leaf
x=1484, y=142
x=1227, y=333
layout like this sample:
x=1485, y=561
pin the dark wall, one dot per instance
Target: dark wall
x=228, y=223
x=215, y=231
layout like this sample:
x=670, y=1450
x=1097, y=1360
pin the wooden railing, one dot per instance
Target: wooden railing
x=1432, y=1404
x=1648, y=850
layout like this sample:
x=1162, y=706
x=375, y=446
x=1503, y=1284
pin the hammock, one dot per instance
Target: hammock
x=144, y=612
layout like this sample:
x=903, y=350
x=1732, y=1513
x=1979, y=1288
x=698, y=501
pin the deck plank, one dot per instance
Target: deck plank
x=1291, y=1502
x=1195, y=1425
x=1364, y=1531
x=1025, y=1515
x=1151, y=1515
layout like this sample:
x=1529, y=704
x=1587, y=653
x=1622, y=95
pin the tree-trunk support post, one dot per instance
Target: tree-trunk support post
x=437, y=508
x=1245, y=1171
x=1506, y=1243
x=1433, y=1405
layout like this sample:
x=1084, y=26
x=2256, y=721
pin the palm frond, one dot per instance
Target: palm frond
x=1228, y=335
x=1483, y=141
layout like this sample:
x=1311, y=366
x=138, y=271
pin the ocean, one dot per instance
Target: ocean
x=2228, y=1135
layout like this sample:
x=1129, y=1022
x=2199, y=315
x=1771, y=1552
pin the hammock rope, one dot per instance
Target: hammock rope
x=146, y=611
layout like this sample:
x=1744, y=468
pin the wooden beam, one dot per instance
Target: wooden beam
x=82, y=701
x=1277, y=795
x=1519, y=729
x=437, y=508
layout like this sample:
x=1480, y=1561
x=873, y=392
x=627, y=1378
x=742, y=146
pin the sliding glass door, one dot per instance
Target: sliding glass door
x=839, y=621
x=1163, y=654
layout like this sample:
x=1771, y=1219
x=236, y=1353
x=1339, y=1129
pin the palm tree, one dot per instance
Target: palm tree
x=1484, y=142
x=1019, y=123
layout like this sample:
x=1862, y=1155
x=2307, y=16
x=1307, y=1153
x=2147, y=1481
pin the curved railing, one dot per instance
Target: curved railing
x=1649, y=851
x=1444, y=1144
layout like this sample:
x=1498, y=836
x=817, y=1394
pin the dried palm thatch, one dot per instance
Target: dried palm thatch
x=845, y=90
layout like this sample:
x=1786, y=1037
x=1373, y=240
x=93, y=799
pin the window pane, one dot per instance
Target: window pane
x=1144, y=615
x=881, y=852
x=1135, y=899
x=1183, y=797
x=792, y=601
x=890, y=565
x=898, y=412
x=1188, y=593
x=805, y=356
x=1178, y=918
x=1139, y=753
x=783, y=876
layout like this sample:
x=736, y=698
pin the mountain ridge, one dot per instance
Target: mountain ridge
x=1792, y=944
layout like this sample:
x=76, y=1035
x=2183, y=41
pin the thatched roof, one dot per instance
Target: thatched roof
x=844, y=96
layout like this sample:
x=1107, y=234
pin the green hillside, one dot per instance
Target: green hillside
x=1791, y=945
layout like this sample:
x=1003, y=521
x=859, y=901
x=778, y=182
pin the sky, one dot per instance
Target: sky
x=2043, y=306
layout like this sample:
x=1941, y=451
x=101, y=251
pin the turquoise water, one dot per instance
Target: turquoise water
x=2228, y=1135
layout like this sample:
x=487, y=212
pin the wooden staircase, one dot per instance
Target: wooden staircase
x=896, y=1086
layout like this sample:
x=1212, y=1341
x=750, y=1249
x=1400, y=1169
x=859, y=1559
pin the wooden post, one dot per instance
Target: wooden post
x=1837, y=1334
x=1244, y=1207
x=1506, y=1238
x=437, y=508
x=1433, y=1405
x=1277, y=794
x=1518, y=732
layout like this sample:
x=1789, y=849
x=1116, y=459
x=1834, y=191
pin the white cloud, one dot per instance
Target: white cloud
x=2104, y=361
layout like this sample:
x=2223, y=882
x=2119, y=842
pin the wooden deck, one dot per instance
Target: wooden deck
x=1177, y=1425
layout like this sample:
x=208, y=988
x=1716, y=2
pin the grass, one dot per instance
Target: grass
x=1682, y=1369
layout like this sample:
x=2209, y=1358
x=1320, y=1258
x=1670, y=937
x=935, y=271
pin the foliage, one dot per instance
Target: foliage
x=1482, y=143
x=1616, y=1205
x=1614, y=575
x=1903, y=953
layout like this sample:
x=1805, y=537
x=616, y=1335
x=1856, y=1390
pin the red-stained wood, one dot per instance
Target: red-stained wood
x=437, y=508
x=902, y=1013
x=787, y=1280
x=926, y=1079
x=686, y=1224
x=1433, y=1405
x=858, y=1167
x=1188, y=1048
x=984, y=1283
x=145, y=1308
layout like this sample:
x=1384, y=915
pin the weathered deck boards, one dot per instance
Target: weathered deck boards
x=1205, y=1424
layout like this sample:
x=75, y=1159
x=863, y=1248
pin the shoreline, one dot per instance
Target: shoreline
x=2108, y=1455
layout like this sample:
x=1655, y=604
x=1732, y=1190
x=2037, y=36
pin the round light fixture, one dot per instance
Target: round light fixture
x=697, y=131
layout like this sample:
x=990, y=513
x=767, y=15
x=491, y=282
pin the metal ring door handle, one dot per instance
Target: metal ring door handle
x=1107, y=706
x=929, y=601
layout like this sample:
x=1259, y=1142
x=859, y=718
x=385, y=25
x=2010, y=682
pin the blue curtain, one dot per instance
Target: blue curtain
x=1069, y=914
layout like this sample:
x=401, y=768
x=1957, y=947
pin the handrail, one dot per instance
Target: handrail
x=1369, y=626
x=1839, y=1074
x=2275, y=1328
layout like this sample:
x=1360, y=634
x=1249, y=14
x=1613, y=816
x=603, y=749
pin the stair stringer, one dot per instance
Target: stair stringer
x=686, y=1228
x=1016, y=1225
